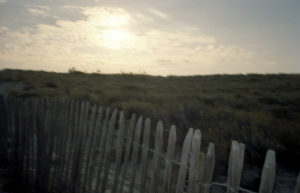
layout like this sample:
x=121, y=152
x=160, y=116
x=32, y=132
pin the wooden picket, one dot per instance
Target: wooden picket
x=127, y=151
x=144, y=161
x=156, y=158
x=236, y=161
x=135, y=152
x=101, y=149
x=57, y=145
x=208, y=172
x=268, y=174
x=108, y=149
x=119, y=152
x=184, y=161
x=297, y=188
x=194, y=161
x=169, y=160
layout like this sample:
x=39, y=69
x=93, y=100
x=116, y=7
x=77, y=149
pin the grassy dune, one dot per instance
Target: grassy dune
x=263, y=111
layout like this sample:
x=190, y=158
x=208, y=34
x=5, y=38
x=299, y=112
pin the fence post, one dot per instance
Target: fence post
x=181, y=181
x=93, y=152
x=169, y=160
x=194, y=162
x=119, y=149
x=156, y=157
x=88, y=148
x=127, y=151
x=297, y=188
x=79, y=146
x=268, y=173
x=135, y=152
x=74, y=113
x=236, y=161
x=68, y=127
x=209, y=167
x=145, y=152
x=108, y=148
x=101, y=152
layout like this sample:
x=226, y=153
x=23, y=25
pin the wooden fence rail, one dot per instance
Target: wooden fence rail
x=57, y=145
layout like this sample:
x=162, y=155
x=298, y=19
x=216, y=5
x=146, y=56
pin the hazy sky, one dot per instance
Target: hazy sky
x=162, y=37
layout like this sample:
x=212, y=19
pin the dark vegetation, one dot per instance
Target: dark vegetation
x=262, y=111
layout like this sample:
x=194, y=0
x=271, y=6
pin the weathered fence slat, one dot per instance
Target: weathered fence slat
x=135, y=152
x=69, y=113
x=184, y=161
x=77, y=150
x=101, y=149
x=44, y=143
x=7, y=134
x=235, y=168
x=21, y=120
x=41, y=141
x=82, y=148
x=194, y=163
x=74, y=111
x=119, y=149
x=62, y=146
x=61, y=119
x=208, y=170
x=169, y=160
x=71, y=126
x=156, y=158
x=49, y=146
x=88, y=147
x=297, y=188
x=268, y=173
x=107, y=156
x=144, y=162
x=33, y=140
x=26, y=147
x=127, y=151
x=93, y=150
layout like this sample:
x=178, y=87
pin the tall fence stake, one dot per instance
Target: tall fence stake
x=268, y=173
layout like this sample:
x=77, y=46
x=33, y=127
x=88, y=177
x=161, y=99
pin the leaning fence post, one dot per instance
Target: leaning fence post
x=236, y=161
x=108, y=148
x=209, y=167
x=124, y=169
x=95, y=145
x=146, y=139
x=297, y=189
x=119, y=151
x=268, y=173
x=135, y=152
x=101, y=149
x=194, y=162
x=156, y=158
x=169, y=160
x=184, y=161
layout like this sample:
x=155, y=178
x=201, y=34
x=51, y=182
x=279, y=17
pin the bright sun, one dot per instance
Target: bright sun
x=114, y=33
x=116, y=39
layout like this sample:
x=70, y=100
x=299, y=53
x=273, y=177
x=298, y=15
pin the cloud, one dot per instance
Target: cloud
x=109, y=39
x=158, y=13
x=39, y=11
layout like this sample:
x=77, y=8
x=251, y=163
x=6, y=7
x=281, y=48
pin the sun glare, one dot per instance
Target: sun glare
x=112, y=28
x=117, y=20
x=116, y=39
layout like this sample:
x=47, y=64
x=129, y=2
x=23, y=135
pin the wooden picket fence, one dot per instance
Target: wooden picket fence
x=58, y=145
